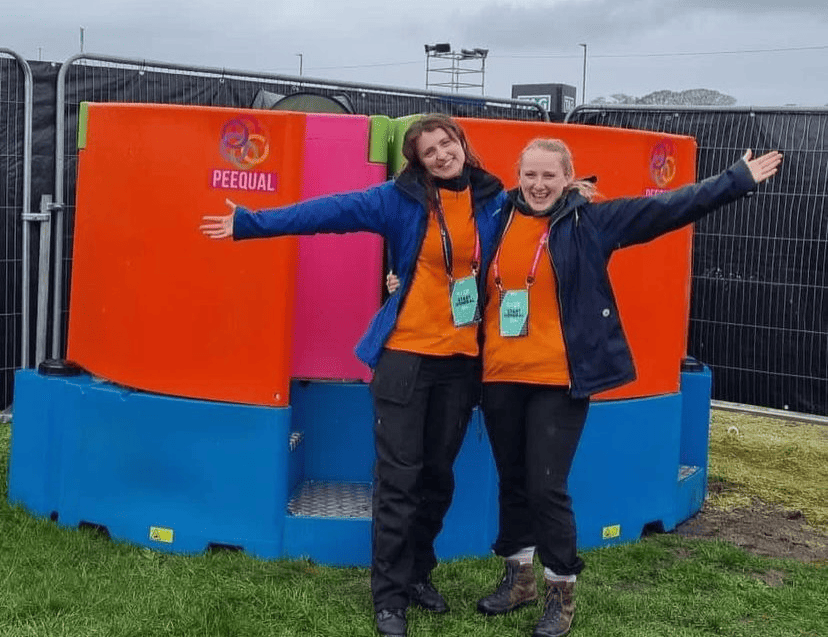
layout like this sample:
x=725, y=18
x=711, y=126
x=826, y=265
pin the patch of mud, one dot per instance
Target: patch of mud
x=760, y=528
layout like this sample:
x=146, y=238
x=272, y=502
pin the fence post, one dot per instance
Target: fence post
x=44, y=218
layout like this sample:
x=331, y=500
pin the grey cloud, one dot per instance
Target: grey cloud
x=530, y=26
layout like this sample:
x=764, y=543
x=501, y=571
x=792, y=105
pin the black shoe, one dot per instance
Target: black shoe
x=424, y=595
x=391, y=622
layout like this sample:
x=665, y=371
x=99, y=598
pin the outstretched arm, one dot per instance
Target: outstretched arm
x=221, y=226
x=366, y=210
x=624, y=222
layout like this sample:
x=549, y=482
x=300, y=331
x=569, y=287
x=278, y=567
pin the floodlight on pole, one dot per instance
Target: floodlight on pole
x=81, y=39
x=443, y=47
x=299, y=55
x=583, y=82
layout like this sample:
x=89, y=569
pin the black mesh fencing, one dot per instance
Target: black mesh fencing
x=12, y=118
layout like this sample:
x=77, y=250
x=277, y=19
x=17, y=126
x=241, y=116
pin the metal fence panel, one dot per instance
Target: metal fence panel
x=759, y=312
x=108, y=79
x=15, y=165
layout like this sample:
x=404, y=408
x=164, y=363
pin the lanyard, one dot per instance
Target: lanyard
x=530, y=278
x=445, y=239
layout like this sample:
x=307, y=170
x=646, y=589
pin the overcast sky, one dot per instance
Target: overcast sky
x=761, y=52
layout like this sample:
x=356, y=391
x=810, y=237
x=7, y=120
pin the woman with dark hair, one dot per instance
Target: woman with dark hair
x=439, y=217
x=552, y=338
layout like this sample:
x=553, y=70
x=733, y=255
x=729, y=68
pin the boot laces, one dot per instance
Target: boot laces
x=554, y=604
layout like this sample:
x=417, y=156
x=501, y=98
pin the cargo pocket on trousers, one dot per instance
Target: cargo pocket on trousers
x=395, y=376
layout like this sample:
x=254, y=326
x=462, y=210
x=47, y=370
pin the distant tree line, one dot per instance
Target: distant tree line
x=690, y=97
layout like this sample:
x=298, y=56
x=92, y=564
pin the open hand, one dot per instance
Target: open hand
x=763, y=167
x=221, y=226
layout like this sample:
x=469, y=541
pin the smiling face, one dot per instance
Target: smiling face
x=440, y=153
x=542, y=177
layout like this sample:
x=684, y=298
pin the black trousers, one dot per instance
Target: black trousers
x=534, y=431
x=422, y=406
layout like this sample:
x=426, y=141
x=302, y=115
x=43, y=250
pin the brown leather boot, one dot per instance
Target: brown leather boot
x=559, y=610
x=517, y=588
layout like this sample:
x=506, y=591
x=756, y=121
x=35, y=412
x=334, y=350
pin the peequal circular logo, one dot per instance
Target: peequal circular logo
x=663, y=163
x=243, y=142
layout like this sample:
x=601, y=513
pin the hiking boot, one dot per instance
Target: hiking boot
x=517, y=588
x=391, y=622
x=424, y=595
x=559, y=609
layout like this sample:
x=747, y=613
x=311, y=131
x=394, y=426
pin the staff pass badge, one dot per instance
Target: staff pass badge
x=464, y=307
x=514, y=313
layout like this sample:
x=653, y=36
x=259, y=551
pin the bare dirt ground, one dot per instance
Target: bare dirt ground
x=760, y=528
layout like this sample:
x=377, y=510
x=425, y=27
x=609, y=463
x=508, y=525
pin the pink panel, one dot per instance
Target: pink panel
x=339, y=277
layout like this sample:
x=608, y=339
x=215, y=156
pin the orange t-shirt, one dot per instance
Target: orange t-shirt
x=540, y=356
x=425, y=324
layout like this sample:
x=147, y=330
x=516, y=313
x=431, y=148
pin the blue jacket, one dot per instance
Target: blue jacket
x=582, y=238
x=397, y=211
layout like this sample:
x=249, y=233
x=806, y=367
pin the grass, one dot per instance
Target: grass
x=782, y=462
x=57, y=582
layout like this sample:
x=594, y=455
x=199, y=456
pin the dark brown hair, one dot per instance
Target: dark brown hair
x=427, y=124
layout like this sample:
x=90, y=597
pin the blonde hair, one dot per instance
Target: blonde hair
x=583, y=186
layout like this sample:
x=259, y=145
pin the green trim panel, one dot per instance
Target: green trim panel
x=83, y=124
x=379, y=135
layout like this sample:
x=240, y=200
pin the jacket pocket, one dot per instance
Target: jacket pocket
x=395, y=376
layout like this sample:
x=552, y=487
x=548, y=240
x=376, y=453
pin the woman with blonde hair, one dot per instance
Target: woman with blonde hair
x=553, y=338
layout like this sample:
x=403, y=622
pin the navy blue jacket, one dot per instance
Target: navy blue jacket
x=582, y=238
x=397, y=211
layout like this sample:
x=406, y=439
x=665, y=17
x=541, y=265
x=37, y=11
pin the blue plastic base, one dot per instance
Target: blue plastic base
x=625, y=471
x=182, y=475
x=168, y=473
x=331, y=541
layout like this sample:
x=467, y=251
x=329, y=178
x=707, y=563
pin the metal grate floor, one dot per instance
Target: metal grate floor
x=332, y=499
x=685, y=471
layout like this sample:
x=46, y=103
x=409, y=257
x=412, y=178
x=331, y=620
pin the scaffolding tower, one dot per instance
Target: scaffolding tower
x=465, y=69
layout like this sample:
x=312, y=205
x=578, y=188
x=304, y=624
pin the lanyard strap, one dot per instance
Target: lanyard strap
x=530, y=278
x=445, y=239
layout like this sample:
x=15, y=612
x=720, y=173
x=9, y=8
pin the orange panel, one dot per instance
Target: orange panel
x=157, y=306
x=652, y=281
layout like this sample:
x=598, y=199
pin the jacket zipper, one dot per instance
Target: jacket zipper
x=558, y=294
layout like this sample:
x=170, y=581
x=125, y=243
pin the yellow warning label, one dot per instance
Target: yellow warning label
x=610, y=532
x=160, y=534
